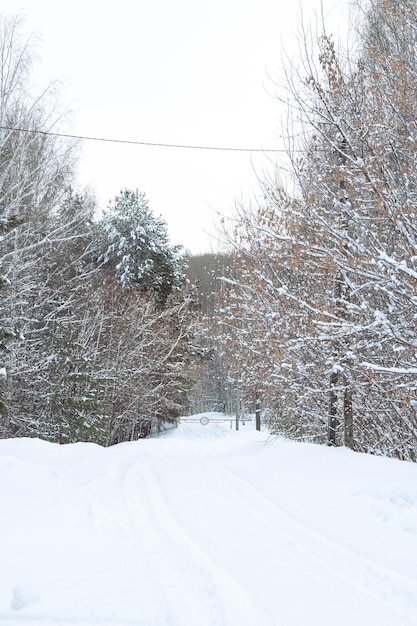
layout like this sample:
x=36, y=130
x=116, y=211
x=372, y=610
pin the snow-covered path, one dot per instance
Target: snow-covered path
x=205, y=527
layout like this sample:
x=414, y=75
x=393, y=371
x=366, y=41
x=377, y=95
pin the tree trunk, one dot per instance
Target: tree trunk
x=258, y=409
x=348, y=416
x=238, y=406
x=333, y=421
x=334, y=376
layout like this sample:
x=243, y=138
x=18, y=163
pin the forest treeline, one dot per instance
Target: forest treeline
x=95, y=329
x=320, y=322
x=307, y=318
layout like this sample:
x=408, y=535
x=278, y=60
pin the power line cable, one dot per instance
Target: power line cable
x=141, y=143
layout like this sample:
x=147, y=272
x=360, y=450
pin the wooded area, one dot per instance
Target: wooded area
x=94, y=326
x=322, y=316
x=308, y=318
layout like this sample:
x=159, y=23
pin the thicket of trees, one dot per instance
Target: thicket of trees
x=322, y=316
x=95, y=333
x=310, y=317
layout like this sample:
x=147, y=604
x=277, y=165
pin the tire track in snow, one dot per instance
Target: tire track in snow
x=187, y=593
x=363, y=575
x=213, y=597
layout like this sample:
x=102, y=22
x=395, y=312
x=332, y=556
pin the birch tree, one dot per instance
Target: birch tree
x=34, y=168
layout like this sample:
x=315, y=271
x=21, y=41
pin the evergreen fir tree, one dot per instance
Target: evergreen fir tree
x=137, y=246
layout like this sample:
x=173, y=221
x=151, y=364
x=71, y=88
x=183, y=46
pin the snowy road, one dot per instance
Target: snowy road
x=205, y=527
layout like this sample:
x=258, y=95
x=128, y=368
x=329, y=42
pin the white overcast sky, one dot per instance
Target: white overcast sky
x=176, y=72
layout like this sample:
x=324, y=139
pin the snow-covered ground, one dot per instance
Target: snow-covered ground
x=205, y=527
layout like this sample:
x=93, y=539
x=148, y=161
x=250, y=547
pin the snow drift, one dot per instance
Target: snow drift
x=205, y=526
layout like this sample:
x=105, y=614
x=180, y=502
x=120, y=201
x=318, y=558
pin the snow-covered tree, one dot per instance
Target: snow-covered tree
x=86, y=357
x=327, y=288
x=143, y=352
x=138, y=246
x=34, y=168
x=53, y=354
